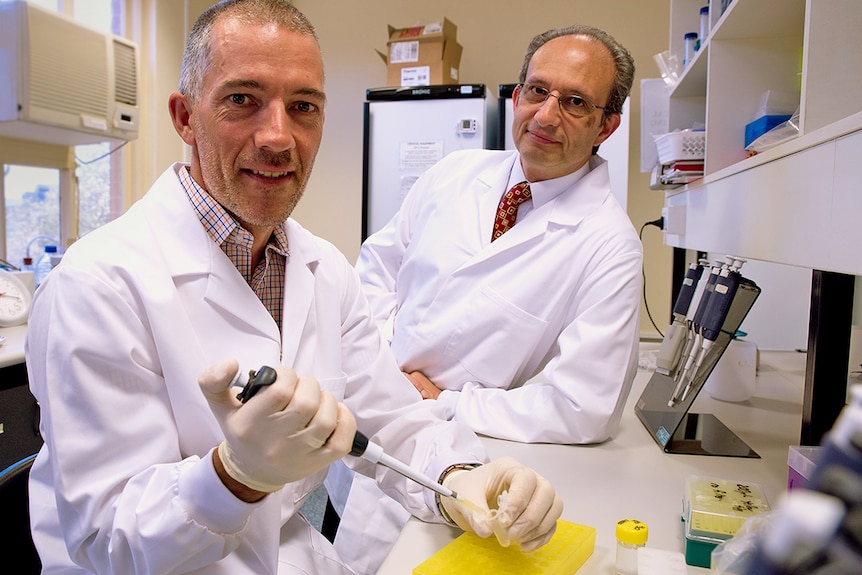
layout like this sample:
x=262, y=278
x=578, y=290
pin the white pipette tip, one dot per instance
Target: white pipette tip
x=500, y=532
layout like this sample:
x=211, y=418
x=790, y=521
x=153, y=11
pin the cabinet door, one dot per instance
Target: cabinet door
x=19, y=416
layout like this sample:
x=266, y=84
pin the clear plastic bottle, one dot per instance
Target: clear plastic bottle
x=631, y=535
x=44, y=264
x=704, y=24
x=690, y=47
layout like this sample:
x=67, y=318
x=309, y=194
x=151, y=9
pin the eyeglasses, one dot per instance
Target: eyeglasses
x=573, y=104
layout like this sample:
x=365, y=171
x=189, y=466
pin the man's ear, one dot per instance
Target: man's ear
x=609, y=126
x=515, y=92
x=180, y=110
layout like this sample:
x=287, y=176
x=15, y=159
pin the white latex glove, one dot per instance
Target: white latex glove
x=529, y=514
x=287, y=431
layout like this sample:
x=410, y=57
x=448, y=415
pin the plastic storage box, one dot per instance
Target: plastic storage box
x=569, y=548
x=761, y=125
x=714, y=510
x=682, y=145
x=801, y=461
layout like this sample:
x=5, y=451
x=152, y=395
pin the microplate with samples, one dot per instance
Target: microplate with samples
x=717, y=508
x=569, y=548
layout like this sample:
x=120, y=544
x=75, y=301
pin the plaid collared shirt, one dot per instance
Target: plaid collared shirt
x=267, y=279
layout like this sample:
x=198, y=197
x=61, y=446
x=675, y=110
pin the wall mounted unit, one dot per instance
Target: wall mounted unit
x=62, y=82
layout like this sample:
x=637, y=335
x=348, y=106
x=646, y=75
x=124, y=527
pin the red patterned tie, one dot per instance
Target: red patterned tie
x=507, y=211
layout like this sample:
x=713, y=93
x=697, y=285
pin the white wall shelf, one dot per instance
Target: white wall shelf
x=799, y=203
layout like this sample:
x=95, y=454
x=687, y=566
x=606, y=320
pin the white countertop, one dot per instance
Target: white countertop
x=631, y=477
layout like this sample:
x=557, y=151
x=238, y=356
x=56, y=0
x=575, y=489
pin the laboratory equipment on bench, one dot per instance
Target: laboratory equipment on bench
x=680, y=372
x=675, y=338
x=253, y=381
x=569, y=548
x=664, y=404
x=631, y=536
x=709, y=326
x=818, y=528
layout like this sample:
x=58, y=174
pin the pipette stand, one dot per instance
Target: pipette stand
x=674, y=428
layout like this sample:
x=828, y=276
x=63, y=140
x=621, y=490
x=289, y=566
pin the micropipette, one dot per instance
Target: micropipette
x=362, y=447
x=692, y=344
x=713, y=318
x=671, y=346
x=716, y=312
x=370, y=451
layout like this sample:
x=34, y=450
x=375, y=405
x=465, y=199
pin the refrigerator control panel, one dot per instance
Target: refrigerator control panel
x=467, y=126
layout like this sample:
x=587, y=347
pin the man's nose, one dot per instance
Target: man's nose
x=275, y=132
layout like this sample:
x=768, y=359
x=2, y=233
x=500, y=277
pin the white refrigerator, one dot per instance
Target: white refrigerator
x=409, y=129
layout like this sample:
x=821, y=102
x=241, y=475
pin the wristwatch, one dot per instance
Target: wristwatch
x=447, y=471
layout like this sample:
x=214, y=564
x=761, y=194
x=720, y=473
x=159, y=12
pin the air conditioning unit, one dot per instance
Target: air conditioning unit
x=62, y=82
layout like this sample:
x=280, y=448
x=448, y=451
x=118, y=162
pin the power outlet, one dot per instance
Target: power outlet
x=674, y=220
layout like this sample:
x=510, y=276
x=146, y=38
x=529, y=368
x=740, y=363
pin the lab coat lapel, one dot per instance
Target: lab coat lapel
x=490, y=185
x=191, y=253
x=298, y=294
x=496, y=180
x=566, y=210
x=586, y=196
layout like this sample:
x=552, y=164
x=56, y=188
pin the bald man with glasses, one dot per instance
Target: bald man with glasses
x=508, y=284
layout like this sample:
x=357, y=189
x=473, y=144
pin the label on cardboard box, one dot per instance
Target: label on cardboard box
x=416, y=76
x=401, y=52
x=433, y=28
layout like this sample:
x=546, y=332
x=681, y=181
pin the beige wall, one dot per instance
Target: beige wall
x=494, y=35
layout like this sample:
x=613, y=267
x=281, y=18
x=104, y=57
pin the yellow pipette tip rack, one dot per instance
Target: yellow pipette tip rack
x=568, y=549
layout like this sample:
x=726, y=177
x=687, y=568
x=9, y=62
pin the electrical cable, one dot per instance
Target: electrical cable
x=659, y=223
x=81, y=162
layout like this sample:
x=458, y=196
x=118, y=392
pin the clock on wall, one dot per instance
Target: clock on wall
x=15, y=300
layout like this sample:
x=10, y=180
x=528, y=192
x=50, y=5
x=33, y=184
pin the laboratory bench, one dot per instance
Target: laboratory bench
x=632, y=477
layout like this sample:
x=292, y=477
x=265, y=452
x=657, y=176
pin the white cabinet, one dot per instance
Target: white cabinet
x=799, y=203
x=811, y=47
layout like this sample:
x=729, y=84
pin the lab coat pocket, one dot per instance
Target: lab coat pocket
x=494, y=338
x=334, y=385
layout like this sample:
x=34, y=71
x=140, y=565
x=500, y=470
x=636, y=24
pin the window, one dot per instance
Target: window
x=53, y=205
x=32, y=210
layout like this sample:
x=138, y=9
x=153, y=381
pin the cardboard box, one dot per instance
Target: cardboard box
x=422, y=55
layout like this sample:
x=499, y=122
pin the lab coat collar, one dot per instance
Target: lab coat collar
x=568, y=209
x=225, y=289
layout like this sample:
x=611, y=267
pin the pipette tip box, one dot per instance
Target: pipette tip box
x=714, y=510
x=569, y=548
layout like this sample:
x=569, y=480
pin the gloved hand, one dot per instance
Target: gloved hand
x=287, y=431
x=530, y=511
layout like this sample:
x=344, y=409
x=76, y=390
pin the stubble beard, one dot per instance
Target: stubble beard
x=232, y=197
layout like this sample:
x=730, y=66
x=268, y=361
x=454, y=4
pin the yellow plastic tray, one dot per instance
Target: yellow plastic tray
x=568, y=549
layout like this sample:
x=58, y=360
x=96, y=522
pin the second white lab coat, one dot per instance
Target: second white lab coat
x=120, y=331
x=533, y=337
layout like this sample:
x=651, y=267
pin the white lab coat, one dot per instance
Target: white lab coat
x=120, y=331
x=533, y=337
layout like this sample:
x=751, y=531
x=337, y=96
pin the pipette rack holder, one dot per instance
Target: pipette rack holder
x=674, y=428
